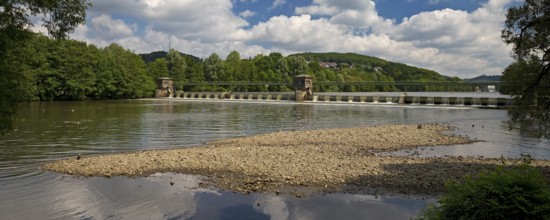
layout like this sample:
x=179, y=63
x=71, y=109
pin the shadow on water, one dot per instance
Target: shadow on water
x=421, y=179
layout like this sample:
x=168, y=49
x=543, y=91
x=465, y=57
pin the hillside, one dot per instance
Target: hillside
x=398, y=71
x=485, y=78
x=150, y=57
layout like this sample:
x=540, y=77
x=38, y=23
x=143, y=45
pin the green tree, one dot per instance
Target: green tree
x=60, y=17
x=176, y=66
x=250, y=70
x=280, y=73
x=70, y=73
x=158, y=68
x=527, y=28
x=129, y=73
x=297, y=65
x=196, y=75
x=213, y=68
x=232, y=67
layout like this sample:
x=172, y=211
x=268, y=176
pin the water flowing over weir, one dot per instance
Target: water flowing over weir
x=447, y=99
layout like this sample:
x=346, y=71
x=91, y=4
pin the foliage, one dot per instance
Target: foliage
x=176, y=66
x=60, y=17
x=158, y=68
x=519, y=192
x=398, y=71
x=73, y=70
x=150, y=57
x=129, y=74
x=280, y=70
x=527, y=28
x=213, y=70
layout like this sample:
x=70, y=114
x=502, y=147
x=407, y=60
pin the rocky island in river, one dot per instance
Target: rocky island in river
x=329, y=160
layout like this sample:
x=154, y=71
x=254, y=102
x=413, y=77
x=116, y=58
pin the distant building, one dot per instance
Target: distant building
x=378, y=69
x=487, y=88
x=329, y=65
x=165, y=87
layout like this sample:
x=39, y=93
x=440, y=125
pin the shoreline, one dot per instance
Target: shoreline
x=328, y=160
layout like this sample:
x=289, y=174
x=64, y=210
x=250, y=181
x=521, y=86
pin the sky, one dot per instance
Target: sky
x=453, y=37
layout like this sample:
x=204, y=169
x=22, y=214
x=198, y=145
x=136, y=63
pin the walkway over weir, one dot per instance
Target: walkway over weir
x=449, y=99
x=434, y=86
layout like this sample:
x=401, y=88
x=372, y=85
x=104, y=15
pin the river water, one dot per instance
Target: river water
x=48, y=131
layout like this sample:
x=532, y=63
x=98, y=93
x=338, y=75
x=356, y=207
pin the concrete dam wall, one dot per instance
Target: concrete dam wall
x=486, y=100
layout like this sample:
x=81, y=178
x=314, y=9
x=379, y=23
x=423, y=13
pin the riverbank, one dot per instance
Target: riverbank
x=332, y=160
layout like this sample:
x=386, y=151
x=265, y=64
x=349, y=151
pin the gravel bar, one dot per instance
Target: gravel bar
x=295, y=162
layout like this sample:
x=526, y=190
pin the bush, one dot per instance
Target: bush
x=519, y=192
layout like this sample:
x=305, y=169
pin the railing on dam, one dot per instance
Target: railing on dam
x=363, y=86
x=383, y=83
x=471, y=99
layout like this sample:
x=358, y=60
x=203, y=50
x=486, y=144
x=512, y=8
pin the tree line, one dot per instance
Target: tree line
x=59, y=17
x=61, y=69
x=350, y=72
x=72, y=70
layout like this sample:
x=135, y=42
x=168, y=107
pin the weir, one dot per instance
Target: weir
x=303, y=85
x=437, y=99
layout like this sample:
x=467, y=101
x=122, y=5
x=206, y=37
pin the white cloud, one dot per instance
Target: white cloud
x=435, y=2
x=452, y=42
x=273, y=206
x=277, y=3
x=317, y=10
x=209, y=20
x=472, y=38
x=449, y=41
x=299, y=33
x=247, y=13
x=358, y=15
x=107, y=28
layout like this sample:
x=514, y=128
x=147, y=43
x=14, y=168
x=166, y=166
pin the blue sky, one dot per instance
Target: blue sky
x=452, y=37
x=394, y=9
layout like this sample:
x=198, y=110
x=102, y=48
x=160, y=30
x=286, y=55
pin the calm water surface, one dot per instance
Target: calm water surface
x=53, y=130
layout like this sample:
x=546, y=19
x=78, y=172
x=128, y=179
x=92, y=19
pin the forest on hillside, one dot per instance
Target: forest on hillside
x=74, y=70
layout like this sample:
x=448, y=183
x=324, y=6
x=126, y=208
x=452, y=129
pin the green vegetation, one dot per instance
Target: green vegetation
x=527, y=28
x=36, y=67
x=333, y=72
x=60, y=17
x=350, y=67
x=519, y=192
x=62, y=69
x=73, y=70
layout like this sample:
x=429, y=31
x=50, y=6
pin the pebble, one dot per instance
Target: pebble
x=283, y=161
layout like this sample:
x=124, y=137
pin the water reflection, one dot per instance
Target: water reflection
x=49, y=131
x=342, y=206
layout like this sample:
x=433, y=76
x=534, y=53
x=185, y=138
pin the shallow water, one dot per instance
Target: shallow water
x=52, y=130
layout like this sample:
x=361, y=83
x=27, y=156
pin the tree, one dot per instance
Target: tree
x=213, y=68
x=176, y=66
x=527, y=28
x=297, y=65
x=232, y=67
x=129, y=72
x=60, y=17
x=158, y=68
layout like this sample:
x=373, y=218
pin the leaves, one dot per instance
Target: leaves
x=527, y=28
x=516, y=192
x=60, y=18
